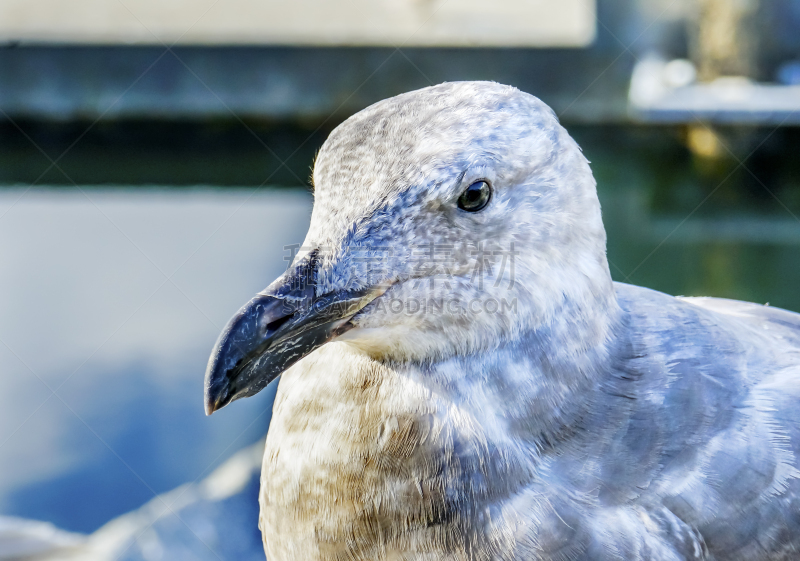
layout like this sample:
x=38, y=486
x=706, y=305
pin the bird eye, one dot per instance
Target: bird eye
x=475, y=197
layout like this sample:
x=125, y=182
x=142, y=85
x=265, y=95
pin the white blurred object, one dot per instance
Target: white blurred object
x=29, y=539
x=532, y=23
x=211, y=520
x=679, y=73
x=666, y=92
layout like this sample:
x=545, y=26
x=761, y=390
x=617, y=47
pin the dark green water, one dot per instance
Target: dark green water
x=728, y=227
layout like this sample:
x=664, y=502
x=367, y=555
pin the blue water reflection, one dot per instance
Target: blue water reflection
x=114, y=299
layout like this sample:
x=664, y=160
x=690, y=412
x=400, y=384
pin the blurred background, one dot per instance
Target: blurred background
x=154, y=164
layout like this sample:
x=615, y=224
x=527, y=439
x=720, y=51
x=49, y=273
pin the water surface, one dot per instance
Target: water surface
x=113, y=299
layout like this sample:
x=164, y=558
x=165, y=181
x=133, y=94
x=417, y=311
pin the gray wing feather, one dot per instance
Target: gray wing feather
x=693, y=452
x=718, y=412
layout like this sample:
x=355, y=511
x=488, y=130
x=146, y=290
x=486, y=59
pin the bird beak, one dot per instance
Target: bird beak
x=277, y=328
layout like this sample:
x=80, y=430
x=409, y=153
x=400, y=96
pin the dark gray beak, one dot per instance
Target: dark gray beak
x=276, y=329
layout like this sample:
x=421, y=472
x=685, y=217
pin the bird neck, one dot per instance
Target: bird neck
x=536, y=387
x=466, y=426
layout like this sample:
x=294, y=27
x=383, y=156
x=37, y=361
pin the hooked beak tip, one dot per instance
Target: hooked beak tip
x=214, y=405
x=217, y=390
x=216, y=398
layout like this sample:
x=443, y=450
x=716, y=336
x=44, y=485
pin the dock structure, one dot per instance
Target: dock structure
x=315, y=60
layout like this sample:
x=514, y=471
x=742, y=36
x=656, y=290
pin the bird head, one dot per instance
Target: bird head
x=445, y=221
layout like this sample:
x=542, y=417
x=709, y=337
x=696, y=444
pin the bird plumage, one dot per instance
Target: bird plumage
x=578, y=419
x=683, y=447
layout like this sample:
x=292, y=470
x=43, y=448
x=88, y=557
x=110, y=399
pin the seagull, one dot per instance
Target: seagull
x=462, y=379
